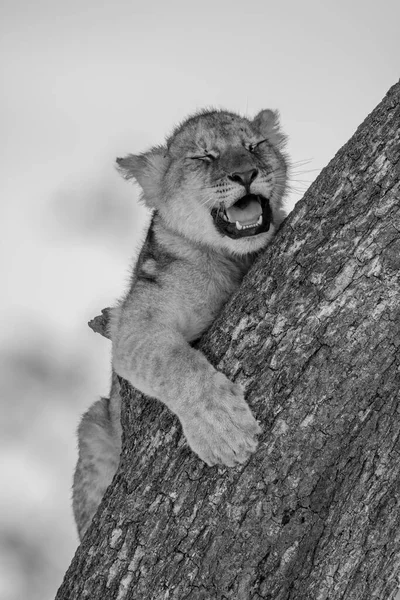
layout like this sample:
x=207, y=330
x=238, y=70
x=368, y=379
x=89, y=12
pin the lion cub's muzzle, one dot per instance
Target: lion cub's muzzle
x=249, y=216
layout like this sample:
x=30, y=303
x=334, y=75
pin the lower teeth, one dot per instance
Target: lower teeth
x=251, y=226
x=240, y=226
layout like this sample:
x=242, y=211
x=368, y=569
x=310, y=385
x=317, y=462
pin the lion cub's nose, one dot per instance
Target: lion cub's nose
x=245, y=178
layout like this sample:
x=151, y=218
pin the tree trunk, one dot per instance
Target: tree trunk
x=313, y=334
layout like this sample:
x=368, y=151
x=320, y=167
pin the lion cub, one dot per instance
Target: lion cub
x=216, y=190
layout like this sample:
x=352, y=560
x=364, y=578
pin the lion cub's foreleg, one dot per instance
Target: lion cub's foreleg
x=158, y=361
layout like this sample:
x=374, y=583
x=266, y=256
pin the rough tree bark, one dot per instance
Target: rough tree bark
x=313, y=334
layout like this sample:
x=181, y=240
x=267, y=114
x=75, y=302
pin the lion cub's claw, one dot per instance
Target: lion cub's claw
x=221, y=429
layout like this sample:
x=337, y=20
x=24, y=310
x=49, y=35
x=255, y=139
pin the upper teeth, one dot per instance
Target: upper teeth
x=258, y=222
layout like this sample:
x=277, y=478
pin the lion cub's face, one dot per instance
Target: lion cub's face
x=219, y=180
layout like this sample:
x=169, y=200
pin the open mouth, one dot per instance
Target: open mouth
x=249, y=216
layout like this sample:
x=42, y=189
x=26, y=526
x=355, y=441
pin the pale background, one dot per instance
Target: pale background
x=81, y=83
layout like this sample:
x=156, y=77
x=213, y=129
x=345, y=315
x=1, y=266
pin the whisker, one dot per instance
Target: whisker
x=299, y=183
x=203, y=203
x=307, y=171
x=296, y=190
x=299, y=163
x=301, y=180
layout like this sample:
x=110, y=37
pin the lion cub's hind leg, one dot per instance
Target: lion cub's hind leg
x=99, y=437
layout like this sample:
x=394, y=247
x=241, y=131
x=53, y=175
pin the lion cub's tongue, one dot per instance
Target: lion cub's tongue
x=244, y=212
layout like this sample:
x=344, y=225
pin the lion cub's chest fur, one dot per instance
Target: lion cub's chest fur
x=183, y=285
x=201, y=289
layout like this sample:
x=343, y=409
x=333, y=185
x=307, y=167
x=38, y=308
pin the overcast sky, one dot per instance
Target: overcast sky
x=84, y=81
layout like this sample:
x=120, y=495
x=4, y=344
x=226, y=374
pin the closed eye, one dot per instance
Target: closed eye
x=205, y=157
x=252, y=147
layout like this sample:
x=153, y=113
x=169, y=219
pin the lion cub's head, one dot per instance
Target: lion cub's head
x=219, y=180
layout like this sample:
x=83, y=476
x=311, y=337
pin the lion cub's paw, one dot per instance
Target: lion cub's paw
x=220, y=427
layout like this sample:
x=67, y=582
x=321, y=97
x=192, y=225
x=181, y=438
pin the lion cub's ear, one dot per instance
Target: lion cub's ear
x=267, y=124
x=148, y=169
